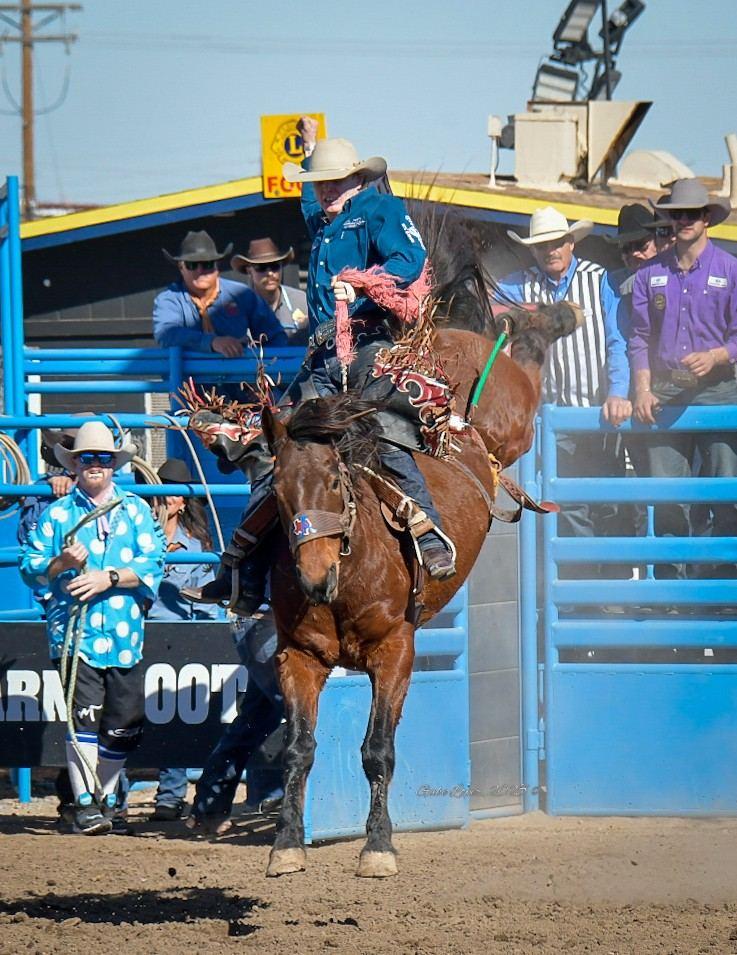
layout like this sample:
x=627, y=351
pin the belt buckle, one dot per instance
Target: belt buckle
x=322, y=333
x=683, y=378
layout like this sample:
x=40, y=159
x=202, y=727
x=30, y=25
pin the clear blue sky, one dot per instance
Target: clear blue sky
x=166, y=94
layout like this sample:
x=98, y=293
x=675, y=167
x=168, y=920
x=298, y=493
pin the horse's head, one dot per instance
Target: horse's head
x=316, y=452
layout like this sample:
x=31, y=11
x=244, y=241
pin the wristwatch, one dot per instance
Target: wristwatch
x=114, y=578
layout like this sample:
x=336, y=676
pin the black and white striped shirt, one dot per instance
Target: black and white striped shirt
x=576, y=367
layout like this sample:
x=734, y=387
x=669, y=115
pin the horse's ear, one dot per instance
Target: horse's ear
x=274, y=429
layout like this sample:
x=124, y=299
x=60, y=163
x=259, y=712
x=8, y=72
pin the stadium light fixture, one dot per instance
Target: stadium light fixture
x=620, y=20
x=575, y=22
x=555, y=83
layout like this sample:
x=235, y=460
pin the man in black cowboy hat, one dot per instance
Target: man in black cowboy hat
x=263, y=264
x=635, y=239
x=207, y=313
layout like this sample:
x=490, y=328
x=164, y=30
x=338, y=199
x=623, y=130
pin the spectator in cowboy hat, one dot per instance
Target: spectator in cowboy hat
x=204, y=312
x=635, y=237
x=263, y=263
x=683, y=349
x=585, y=369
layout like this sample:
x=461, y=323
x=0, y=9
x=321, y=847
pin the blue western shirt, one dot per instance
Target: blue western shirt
x=170, y=604
x=372, y=229
x=113, y=628
x=237, y=311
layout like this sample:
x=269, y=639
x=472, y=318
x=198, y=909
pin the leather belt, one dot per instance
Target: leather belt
x=683, y=378
x=362, y=329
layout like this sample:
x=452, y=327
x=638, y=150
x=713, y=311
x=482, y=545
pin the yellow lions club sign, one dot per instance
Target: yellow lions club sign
x=280, y=143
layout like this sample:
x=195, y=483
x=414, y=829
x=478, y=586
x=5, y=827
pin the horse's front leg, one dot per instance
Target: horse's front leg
x=301, y=677
x=390, y=669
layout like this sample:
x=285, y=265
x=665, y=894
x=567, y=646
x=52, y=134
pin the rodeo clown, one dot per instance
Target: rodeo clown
x=101, y=554
x=355, y=226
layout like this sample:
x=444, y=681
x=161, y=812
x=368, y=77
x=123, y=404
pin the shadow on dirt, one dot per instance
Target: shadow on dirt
x=148, y=907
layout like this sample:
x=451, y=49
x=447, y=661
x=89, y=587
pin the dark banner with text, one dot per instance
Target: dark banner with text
x=192, y=683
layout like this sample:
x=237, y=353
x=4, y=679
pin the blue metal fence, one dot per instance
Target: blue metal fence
x=631, y=714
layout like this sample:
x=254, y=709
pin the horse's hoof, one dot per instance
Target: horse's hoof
x=284, y=861
x=377, y=865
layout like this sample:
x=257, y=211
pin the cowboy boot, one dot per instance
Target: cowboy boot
x=241, y=578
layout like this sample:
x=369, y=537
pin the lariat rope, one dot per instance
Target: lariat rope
x=73, y=641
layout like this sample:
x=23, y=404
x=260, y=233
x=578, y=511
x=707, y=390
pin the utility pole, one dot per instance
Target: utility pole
x=27, y=37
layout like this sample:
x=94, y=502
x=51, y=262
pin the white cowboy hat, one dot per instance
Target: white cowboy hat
x=93, y=436
x=548, y=224
x=334, y=159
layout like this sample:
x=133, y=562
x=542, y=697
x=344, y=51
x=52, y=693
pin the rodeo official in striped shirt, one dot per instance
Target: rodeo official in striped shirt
x=586, y=369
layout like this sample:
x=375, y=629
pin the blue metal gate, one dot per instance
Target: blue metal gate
x=633, y=713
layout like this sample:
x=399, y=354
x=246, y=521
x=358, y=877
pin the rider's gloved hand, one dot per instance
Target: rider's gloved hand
x=344, y=291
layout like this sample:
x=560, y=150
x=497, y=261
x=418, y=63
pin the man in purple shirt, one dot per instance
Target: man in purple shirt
x=683, y=347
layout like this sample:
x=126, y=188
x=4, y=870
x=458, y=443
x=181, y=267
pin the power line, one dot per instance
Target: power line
x=28, y=28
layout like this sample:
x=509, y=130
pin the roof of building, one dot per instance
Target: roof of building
x=507, y=203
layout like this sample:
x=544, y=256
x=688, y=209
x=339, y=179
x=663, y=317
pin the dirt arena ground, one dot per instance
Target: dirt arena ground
x=517, y=885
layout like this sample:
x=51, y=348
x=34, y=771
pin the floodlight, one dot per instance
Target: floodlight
x=575, y=22
x=621, y=19
x=555, y=83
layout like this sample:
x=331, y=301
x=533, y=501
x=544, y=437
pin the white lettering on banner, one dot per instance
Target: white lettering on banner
x=231, y=678
x=53, y=706
x=32, y=696
x=23, y=689
x=160, y=690
x=656, y=281
x=193, y=695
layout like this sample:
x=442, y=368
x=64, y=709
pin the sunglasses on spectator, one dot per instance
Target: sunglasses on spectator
x=268, y=267
x=204, y=266
x=639, y=246
x=103, y=458
x=664, y=232
x=690, y=215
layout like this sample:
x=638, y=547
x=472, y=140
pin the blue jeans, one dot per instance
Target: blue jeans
x=172, y=787
x=260, y=713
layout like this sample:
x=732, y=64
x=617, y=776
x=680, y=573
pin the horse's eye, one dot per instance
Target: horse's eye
x=336, y=483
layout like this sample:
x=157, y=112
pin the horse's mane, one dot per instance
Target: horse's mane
x=460, y=281
x=345, y=420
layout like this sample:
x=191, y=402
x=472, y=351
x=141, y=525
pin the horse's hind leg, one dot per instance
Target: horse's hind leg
x=301, y=677
x=390, y=669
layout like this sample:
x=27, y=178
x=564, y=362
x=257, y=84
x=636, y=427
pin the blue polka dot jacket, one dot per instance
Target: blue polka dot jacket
x=129, y=536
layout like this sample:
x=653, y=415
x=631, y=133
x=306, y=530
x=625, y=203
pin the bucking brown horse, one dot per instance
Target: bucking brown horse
x=349, y=595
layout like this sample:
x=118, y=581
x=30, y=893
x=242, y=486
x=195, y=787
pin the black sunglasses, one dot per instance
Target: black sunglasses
x=103, y=458
x=205, y=266
x=664, y=232
x=268, y=267
x=690, y=215
x=637, y=246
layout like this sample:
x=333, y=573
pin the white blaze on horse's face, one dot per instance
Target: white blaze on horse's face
x=312, y=504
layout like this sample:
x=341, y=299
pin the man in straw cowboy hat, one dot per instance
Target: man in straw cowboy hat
x=204, y=312
x=683, y=349
x=585, y=369
x=352, y=225
x=113, y=567
x=263, y=263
